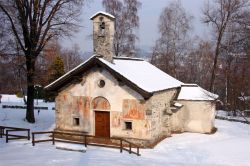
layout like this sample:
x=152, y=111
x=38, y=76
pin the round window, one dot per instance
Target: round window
x=101, y=83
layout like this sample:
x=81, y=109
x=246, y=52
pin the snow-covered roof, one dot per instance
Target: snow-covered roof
x=143, y=74
x=194, y=92
x=101, y=12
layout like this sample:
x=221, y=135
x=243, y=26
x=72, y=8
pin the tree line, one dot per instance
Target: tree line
x=220, y=62
x=31, y=55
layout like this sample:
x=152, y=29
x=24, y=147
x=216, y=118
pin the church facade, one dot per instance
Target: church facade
x=109, y=96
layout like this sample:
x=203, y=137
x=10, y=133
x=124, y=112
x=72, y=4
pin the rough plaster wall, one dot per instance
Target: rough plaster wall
x=177, y=120
x=125, y=105
x=103, y=43
x=133, y=111
x=199, y=116
x=159, y=106
x=69, y=107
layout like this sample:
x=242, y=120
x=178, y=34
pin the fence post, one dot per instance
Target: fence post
x=1, y=132
x=53, y=138
x=33, y=139
x=130, y=148
x=138, y=153
x=121, y=146
x=7, y=136
x=28, y=134
x=85, y=140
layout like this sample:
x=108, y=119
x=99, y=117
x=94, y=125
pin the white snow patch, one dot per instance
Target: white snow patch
x=194, y=92
x=244, y=98
x=143, y=74
x=101, y=12
x=178, y=104
x=229, y=146
x=229, y=115
x=11, y=98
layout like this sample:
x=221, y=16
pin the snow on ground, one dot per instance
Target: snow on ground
x=229, y=115
x=11, y=98
x=229, y=146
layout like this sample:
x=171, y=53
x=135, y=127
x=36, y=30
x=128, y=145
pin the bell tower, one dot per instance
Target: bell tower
x=103, y=34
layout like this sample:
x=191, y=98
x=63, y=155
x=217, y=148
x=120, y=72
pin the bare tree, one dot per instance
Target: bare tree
x=172, y=45
x=71, y=57
x=126, y=22
x=220, y=15
x=235, y=62
x=5, y=39
x=43, y=63
x=197, y=66
x=33, y=24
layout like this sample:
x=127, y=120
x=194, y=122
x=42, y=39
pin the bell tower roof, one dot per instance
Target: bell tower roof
x=102, y=13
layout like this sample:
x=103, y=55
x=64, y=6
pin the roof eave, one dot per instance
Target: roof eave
x=56, y=85
x=102, y=13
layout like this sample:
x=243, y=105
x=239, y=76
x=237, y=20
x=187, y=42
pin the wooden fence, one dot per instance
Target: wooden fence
x=11, y=133
x=85, y=141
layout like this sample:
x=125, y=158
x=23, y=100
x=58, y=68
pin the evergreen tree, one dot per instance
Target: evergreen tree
x=56, y=71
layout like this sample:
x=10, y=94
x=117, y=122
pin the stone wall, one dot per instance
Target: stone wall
x=103, y=38
x=158, y=113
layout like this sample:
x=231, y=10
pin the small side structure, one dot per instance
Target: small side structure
x=196, y=112
x=107, y=96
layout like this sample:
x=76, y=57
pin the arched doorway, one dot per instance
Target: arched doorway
x=101, y=107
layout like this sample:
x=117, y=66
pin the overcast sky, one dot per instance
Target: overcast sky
x=149, y=16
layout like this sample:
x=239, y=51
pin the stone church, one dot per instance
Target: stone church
x=125, y=97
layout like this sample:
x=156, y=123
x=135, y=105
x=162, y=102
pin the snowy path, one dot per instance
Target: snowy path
x=229, y=146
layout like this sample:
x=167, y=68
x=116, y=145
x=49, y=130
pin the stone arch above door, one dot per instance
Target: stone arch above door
x=100, y=103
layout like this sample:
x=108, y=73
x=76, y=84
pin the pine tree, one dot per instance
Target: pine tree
x=56, y=71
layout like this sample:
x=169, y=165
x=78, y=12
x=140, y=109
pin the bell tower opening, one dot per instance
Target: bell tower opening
x=102, y=27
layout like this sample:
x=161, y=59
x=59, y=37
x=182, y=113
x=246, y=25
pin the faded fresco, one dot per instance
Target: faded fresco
x=100, y=103
x=133, y=109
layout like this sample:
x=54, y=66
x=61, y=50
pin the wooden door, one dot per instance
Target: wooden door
x=102, y=124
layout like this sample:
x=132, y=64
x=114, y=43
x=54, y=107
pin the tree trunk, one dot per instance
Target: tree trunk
x=30, y=64
x=217, y=52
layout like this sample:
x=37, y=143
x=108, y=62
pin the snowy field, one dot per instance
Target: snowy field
x=229, y=146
